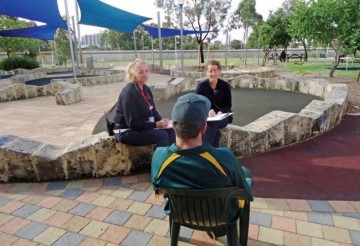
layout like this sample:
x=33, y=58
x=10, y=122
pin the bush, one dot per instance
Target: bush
x=15, y=62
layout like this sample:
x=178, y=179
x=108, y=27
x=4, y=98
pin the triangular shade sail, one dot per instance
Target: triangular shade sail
x=96, y=13
x=168, y=32
x=39, y=32
x=46, y=11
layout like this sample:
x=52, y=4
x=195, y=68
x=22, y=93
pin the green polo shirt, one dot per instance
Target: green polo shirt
x=202, y=167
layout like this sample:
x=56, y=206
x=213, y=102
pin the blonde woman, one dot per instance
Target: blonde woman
x=138, y=121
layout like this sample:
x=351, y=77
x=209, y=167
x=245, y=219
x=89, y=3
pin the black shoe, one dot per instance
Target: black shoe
x=211, y=234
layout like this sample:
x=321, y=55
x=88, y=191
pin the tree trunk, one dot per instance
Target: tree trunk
x=335, y=44
x=358, y=78
x=335, y=65
x=266, y=56
x=245, y=43
x=201, y=52
x=305, y=51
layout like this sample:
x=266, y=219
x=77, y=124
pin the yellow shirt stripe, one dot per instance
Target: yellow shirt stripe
x=170, y=159
x=213, y=161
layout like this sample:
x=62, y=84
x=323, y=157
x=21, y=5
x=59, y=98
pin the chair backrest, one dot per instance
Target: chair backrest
x=202, y=209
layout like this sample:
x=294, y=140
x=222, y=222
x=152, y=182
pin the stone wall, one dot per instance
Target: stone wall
x=277, y=128
x=97, y=156
x=66, y=91
x=101, y=156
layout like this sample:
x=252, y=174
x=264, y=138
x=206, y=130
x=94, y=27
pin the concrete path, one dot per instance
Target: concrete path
x=123, y=210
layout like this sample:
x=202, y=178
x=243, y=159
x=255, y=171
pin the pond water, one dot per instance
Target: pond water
x=248, y=105
x=47, y=80
x=251, y=104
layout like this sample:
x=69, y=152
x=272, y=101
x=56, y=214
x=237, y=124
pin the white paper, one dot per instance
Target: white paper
x=219, y=117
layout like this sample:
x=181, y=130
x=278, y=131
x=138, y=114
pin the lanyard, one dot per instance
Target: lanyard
x=146, y=100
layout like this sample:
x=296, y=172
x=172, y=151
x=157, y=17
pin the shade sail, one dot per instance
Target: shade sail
x=46, y=11
x=39, y=32
x=168, y=32
x=96, y=13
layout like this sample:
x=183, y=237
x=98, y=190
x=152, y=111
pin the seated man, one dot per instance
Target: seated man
x=192, y=164
x=283, y=56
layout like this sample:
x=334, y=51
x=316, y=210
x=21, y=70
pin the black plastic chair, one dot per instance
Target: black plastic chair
x=207, y=210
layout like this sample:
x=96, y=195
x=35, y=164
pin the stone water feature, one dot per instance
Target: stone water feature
x=101, y=156
x=66, y=91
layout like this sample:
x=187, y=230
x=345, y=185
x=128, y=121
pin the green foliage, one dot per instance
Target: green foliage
x=274, y=31
x=62, y=45
x=15, y=62
x=236, y=44
x=25, y=46
x=205, y=15
x=327, y=22
x=246, y=14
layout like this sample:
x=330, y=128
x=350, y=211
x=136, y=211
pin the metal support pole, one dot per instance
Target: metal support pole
x=70, y=39
x=160, y=42
x=152, y=51
x=78, y=33
x=182, y=39
x=135, y=49
x=227, y=47
x=75, y=42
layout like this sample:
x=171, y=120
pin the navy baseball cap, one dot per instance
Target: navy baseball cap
x=191, y=108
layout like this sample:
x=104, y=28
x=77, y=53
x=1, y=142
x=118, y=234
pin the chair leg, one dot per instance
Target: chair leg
x=232, y=234
x=174, y=233
x=244, y=224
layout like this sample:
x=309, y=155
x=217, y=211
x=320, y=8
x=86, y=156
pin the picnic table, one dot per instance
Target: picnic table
x=294, y=56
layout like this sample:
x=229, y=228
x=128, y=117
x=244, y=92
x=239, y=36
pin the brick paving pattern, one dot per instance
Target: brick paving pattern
x=116, y=211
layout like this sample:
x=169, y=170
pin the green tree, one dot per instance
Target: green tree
x=300, y=23
x=62, y=45
x=247, y=17
x=273, y=32
x=335, y=22
x=205, y=15
x=235, y=44
x=11, y=45
x=115, y=40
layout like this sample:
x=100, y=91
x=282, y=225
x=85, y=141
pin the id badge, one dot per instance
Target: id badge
x=152, y=119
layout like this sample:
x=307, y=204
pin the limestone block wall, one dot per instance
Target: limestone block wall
x=101, y=156
x=66, y=91
x=22, y=78
x=97, y=156
x=280, y=128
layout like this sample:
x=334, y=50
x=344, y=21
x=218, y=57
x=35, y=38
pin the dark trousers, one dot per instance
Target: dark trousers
x=213, y=134
x=160, y=137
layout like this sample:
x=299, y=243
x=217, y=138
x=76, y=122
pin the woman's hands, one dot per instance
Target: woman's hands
x=212, y=113
x=163, y=123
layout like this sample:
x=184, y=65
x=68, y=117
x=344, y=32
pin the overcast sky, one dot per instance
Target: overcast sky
x=148, y=9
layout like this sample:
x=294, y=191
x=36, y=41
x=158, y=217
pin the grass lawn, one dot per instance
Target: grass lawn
x=313, y=65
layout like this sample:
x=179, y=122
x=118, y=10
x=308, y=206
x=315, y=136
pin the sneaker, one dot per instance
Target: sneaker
x=211, y=234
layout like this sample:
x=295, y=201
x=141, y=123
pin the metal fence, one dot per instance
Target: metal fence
x=48, y=58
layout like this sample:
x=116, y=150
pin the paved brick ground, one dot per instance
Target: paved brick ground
x=115, y=211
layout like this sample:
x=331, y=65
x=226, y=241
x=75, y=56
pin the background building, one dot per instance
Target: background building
x=91, y=39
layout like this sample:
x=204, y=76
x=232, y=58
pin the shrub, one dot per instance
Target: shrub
x=15, y=62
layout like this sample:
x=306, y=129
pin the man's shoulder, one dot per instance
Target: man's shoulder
x=204, y=82
x=223, y=82
x=223, y=150
x=161, y=151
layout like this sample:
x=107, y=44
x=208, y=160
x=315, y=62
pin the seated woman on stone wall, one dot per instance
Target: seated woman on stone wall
x=138, y=121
